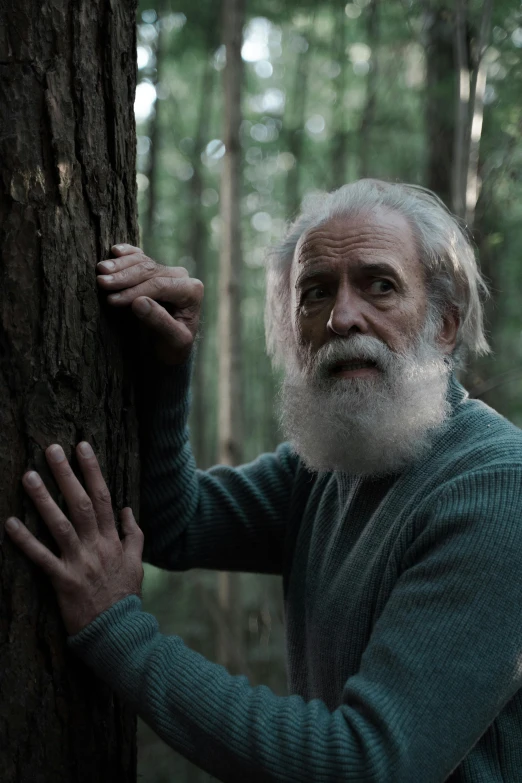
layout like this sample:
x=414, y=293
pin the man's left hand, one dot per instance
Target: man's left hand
x=96, y=569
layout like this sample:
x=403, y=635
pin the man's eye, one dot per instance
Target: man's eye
x=381, y=287
x=314, y=294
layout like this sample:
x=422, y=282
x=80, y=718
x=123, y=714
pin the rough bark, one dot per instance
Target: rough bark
x=230, y=384
x=67, y=193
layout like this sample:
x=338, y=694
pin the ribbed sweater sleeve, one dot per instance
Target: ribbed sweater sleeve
x=443, y=658
x=225, y=518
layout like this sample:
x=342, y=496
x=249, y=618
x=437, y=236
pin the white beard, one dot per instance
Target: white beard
x=365, y=426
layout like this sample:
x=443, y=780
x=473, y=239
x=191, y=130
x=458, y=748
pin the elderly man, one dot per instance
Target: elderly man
x=393, y=513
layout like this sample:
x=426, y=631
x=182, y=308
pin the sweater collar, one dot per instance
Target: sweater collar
x=455, y=393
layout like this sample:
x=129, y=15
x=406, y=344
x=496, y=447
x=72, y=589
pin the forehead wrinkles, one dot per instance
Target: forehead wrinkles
x=320, y=242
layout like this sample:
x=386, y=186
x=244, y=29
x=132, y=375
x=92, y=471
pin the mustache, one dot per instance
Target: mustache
x=357, y=347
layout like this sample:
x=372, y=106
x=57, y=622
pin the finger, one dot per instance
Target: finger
x=123, y=249
x=81, y=509
x=183, y=292
x=131, y=274
x=35, y=550
x=97, y=488
x=132, y=543
x=175, y=333
x=59, y=526
x=114, y=264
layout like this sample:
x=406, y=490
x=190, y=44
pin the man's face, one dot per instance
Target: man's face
x=358, y=275
x=365, y=385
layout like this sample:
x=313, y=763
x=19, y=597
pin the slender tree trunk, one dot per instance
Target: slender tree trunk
x=440, y=123
x=197, y=249
x=462, y=106
x=230, y=383
x=296, y=133
x=339, y=139
x=472, y=70
x=368, y=115
x=67, y=193
x=477, y=92
x=230, y=435
x=155, y=145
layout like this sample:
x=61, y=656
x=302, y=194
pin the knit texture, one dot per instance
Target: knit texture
x=403, y=607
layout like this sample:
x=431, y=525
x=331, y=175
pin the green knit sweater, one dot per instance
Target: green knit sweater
x=403, y=601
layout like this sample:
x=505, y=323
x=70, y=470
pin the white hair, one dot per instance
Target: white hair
x=453, y=280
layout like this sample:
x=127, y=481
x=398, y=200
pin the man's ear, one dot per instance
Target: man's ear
x=447, y=337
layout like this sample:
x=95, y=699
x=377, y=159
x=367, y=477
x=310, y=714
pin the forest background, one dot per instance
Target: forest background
x=417, y=91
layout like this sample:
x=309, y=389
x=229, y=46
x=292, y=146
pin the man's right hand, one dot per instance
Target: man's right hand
x=138, y=280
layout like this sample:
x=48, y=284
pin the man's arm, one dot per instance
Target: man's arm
x=442, y=662
x=226, y=518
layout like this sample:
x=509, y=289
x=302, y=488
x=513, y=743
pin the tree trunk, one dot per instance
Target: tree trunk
x=440, y=123
x=477, y=93
x=197, y=249
x=296, y=132
x=462, y=103
x=368, y=115
x=67, y=193
x=340, y=134
x=230, y=384
x=149, y=240
x=472, y=70
x=230, y=435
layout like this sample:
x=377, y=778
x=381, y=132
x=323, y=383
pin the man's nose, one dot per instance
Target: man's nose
x=347, y=315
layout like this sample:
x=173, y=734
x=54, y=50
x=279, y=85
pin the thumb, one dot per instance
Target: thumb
x=132, y=542
x=156, y=317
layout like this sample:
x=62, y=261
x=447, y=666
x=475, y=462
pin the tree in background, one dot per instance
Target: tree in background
x=440, y=88
x=339, y=144
x=149, y=223
x=67, y=194
x=367, y=166
x=197, y=250
x=471, y=71
x=230, y=433
x=295, y=125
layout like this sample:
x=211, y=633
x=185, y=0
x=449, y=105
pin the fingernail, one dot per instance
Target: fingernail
x=142, y=307
x=56, y=454
x=85, y=449
x=118, y=247
x=114, y=296
x=32, y=479
x=107, y=265
x=11, y=524
x=108, y=277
